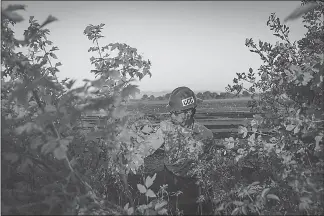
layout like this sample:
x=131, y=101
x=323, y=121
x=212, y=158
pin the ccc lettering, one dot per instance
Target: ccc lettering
x=188, y=101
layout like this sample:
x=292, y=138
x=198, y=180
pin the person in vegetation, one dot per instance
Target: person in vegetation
x=181, y=137
x=180, y=140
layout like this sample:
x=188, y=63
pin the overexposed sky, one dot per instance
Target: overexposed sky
x=199, y=44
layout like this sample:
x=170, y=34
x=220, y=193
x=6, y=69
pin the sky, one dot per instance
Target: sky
x=199, y=44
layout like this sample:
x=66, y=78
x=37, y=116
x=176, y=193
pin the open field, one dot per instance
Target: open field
x=214, y=105
x=222, y=116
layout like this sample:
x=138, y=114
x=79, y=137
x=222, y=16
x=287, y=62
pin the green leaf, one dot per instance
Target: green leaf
x=265, y=192
x=149, y=181
x=221, y=207
x=49, y=147
x=147, y=129
x=114, y=46
x=251, y=191
x=53, y=55
x=141, y=188
x=255, y=183
x=36, y=142
x=58, y=64
x=130, y=211
x=70, y=84
x=244, y=210
x=45, y=118
x=47, y=99
x=28, y=128
x=21, y=94
x=242, y=130
x=49, y=19
x=126, y=206
x=142, y=208
x=26, y=163
x=65, y=142
x=238, y=203
x=50, y=108
x=318, y=139
x=290, y=127
x=272, y=196
x=33, y=103
x=10, y=156
x=160, y=205
x=150, y=193
x=298, y=12
x=303, y=206
x=305, y=199
x=60, y=152
x=114, y=74
x=130, y=90
x=229, y=144
x=297, y=129
x=235, y=211
x=163, y=211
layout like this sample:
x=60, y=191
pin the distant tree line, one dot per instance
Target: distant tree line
x=207, y=95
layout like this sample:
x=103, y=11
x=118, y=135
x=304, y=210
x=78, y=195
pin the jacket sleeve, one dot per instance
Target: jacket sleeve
x=153, y=142
x=202, y=133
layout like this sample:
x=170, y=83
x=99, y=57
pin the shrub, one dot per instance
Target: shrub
x=49, y=165
x=279, y=159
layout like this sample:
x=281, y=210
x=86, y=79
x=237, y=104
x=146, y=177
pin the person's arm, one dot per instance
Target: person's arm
x=202, y=133
x=209, y=144
x=153, y=142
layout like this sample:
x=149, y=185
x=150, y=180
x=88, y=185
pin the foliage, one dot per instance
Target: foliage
x=49, y=165
x=282, y=147
x=156, y=206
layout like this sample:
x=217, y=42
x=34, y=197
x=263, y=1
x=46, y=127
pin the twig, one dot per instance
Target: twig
x=43, y=48
x=260, y=133
x=308, y=159
x=98, y=48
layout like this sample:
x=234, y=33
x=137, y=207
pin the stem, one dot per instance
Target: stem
x=98, y=48
x=308, y=159
x=262, y=133
x=44, y=49
x=286, y=38
x=124, y=178
x=317, y=121
x=200, y=203
x=261, y=54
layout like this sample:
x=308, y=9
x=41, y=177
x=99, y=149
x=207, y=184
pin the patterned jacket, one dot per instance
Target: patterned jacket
x=180, y=147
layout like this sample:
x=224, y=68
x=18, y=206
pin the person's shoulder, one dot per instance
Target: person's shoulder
x=166, y=125
x=202, y=130
x=198, y=125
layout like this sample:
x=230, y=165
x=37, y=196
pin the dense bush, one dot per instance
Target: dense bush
x=277, y=165
x=50, y=166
